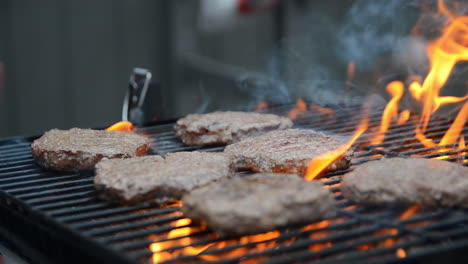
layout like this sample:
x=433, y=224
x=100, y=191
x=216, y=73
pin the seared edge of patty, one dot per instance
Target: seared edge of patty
x=408, y=181
x=286, y=151
x=158, y=179
x=80, y=149
x=258, y=203
x=226, y=127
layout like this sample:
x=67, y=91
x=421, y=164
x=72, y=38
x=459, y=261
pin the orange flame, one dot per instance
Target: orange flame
x=462, y=144
x=401, y=253
x=350, y=71
x=124, y=126
x=391, y=231
x=444, y=10
x=158, y=248
x=444, y=53
x=396, y=90
x=301, y=106
x=322, y=110
x=456, y=128
x=427, y=142
x=320, y=163
x=180, y=237
x=317, y=235
x=409, y=212
x=262, y=105
x=452, y=134
x=404, y=117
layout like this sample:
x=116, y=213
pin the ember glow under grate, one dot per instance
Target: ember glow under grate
x=60, y=216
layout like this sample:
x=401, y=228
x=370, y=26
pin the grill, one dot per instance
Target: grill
x=56, y=217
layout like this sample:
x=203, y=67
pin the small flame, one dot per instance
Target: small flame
x=185, y=230
x=462, y=144
x=404, y=117
x=401, y=253
x=323, y=110
x=124, y=126
x=456, y=128
x=262, y=105
x=427, y=142
x=452, y=134
x=444, y=10
x=350, y=71
x=396, y=90
x=409, y=212
x=301, y=106
x=317, y=235
x=320, y=163
x=391, y=231
x=180, y=237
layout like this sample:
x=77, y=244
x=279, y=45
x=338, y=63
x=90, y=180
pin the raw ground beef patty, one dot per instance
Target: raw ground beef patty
x=226, y=127
x=80, y=149
x=286, y=151
x=408, y=181
x=258, y=203
x=158, y=178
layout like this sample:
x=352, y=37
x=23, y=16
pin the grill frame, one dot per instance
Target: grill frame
x=41, y=215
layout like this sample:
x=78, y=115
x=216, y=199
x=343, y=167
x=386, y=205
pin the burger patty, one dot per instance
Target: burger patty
x=80, y=149
x=286, y=151
x=408, y=181
x=158, y=178
x=226, y=127
x=258, y=203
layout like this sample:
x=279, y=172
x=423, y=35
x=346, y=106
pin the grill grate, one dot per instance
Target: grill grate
x=55, y=210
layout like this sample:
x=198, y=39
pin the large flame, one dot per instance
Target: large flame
x=396, y=90
x=444, y=53
x=320, y=163
x=125, y=126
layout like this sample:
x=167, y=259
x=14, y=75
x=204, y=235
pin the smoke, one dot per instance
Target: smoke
x=373, y=29
x=372, y=34
x=385, y=40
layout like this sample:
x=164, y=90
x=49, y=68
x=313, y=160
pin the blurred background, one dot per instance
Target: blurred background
x=66, y=63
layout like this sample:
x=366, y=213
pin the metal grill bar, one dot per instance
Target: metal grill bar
x=126, y=227
x=61, y=204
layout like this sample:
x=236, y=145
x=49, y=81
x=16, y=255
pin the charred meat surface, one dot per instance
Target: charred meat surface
x=80, y=149
x=286, y=151
x=158, y=178
x=408, y=181
x=258, y=203
x=226, y=127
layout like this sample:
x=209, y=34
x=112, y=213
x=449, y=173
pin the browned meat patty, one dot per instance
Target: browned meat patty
x=258, y=203
x=408, y=181
x=158, y=178
x=286, y=151
x=80, y=149
x=226, y=127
